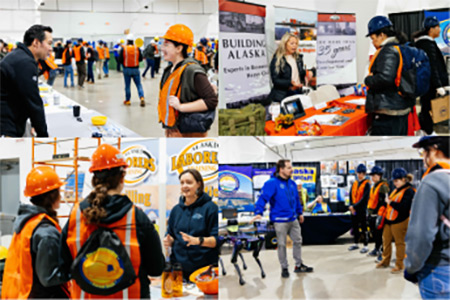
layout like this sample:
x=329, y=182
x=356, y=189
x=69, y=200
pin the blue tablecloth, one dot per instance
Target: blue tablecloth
x=325, y=229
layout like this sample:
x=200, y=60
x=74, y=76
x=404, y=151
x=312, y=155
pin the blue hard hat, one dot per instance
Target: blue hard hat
x=376, y=170
x=399, y=173
x=377, y=23
x=361, y=168
x=204, y=41
x=429, y=140
x=80, y=39
x=430, y=22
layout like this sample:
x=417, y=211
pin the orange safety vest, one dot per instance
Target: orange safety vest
x=101, y=52
x=50, y=61
x=358, y=192
x=399, y=70
x=18, y=273
x=200, y=55
x=125, y=228
x=130, y=56
x=374, y=194
x=391, y=213
x=64, y=55
x=106, y=52
x=444, y=165
x=77, y=52
x=167, y=114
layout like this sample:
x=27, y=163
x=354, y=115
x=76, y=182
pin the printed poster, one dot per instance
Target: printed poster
x=443, y=41
x=301, y=23
x=336, y=49
x=243, y=53
x=308, y=176
x=236, y=188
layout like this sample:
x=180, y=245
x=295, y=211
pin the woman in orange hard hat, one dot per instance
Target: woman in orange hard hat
x=187, y=101
x=31, y=270
x=106, y=207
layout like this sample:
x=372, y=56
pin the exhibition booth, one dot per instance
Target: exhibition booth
x=335, y=57
x=151, y=181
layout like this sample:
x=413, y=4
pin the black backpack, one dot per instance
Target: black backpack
x=103, y=266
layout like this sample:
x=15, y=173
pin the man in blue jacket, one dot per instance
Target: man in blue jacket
x=285, y=212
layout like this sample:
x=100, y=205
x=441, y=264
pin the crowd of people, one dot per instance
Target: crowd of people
x=186, y=110
x=390, y=100
x=108, y=245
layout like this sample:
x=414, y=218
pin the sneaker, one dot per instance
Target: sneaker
x=381, y=266
x=142, y=102
x=127, y=102
x=285, y=273
x=303, y=269
x=374, y=252
x=379, y=258
x=364, y=250
x=353, y=247
x=396, y=270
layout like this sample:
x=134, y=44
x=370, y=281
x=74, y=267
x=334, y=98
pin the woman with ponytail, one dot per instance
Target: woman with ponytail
x=31, y=270
x=388, y=108
x=106, y=207
x=192, y=230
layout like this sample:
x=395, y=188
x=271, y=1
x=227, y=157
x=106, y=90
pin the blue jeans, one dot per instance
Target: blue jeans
x=91, y=70
x=434, y=282
x=52, y=76
x=68, y=70
x=150, y=64
x=106, y=66
x=129, y=73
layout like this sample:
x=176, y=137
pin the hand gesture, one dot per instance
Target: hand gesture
x=168, y=241
x=191, y=240
x=175, y=102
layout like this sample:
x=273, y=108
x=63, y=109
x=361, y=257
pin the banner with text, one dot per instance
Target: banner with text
x=303, y=24
x=141, y=179
x=243, y=53
x=336, y=49
x=191, y=153
x=307, y=175
x=443, y=40
x=236, y=188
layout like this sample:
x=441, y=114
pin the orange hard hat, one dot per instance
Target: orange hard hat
x=41, y=180
x=180, y=33
x=106, y=157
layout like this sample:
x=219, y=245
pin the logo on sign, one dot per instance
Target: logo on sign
x=228, y=183
x=141, y=164
x=200, y=155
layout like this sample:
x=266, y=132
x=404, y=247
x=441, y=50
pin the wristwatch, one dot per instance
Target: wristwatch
x=201, y=239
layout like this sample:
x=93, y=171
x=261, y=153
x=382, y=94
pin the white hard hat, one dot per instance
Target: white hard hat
x=298, y=182
x=130, y=37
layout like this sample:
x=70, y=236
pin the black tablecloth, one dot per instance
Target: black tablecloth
x=324, y=229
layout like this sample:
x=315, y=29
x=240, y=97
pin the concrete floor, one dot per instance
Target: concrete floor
x=338, y=274
x=107, y=95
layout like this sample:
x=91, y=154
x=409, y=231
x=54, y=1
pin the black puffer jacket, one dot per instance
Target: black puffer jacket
x=439, y=76
x=383, y=93
x=282, y=81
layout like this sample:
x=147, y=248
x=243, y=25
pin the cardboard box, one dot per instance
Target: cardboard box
x=440, y=109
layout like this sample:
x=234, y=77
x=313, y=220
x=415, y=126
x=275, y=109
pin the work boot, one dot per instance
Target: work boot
x=374, y=252
x=303, y=269
x=142, y=102
x=285, y=273
x=106, y=75
x=127, y=102
x=364, y=250
x=353, y=247
x=381, y=266
x=396, y=270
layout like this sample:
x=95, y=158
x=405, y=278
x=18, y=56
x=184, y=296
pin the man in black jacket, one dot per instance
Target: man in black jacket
x=19, y=92
x=439, y=76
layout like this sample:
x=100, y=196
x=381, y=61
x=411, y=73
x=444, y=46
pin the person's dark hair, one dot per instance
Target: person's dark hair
x=102, y=181
x=198, y=178
x=185, y=47
x=442, y=144
x=281, y=164
x=35, y=32
x=389, y=31
x=130, y=42
x=420, y=33
x=46, y=201
x=409, y=177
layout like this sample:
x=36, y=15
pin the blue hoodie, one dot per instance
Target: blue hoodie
x=283, y=197
x=198, y=219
